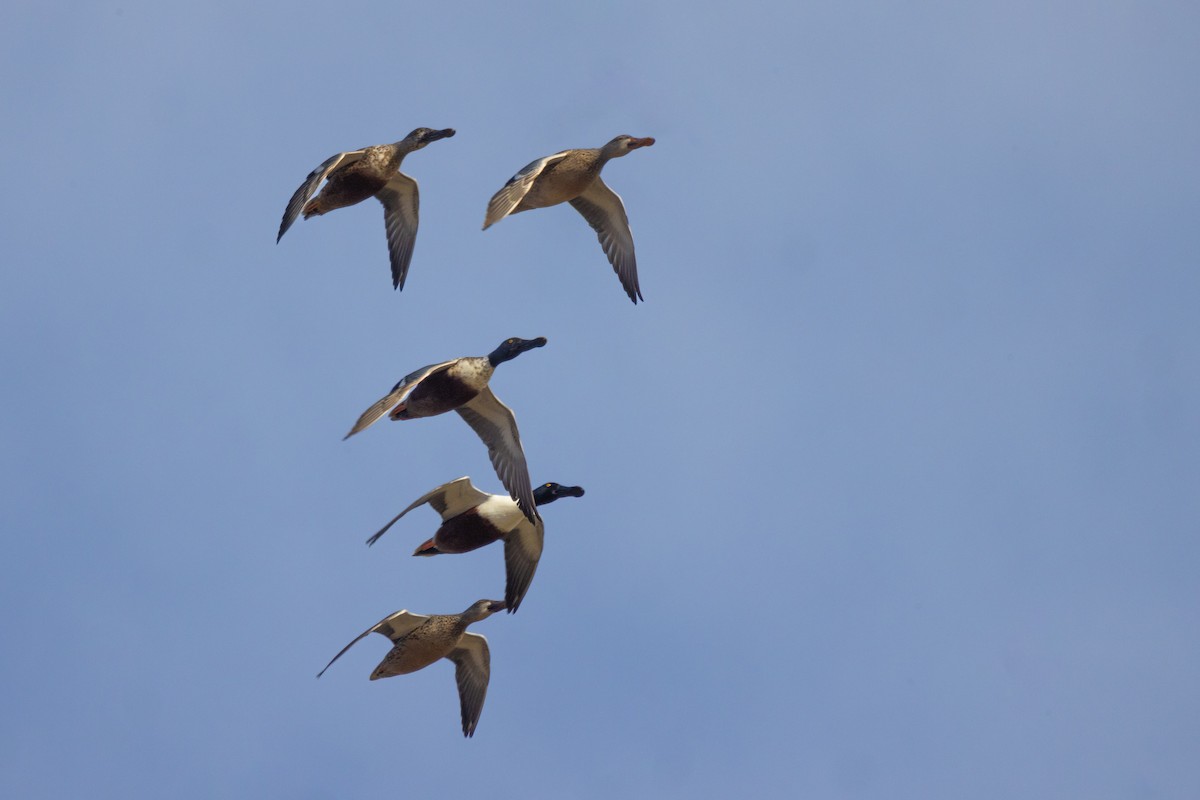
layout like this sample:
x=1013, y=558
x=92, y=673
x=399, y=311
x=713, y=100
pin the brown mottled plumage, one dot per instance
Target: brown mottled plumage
x=355, y=175
x=419, y=640
x=573, y=176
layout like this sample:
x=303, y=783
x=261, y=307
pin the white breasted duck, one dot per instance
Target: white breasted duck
x=419, y=640
x=462, y=385
x=472, y=519
x=369, y=172
x=574, y=176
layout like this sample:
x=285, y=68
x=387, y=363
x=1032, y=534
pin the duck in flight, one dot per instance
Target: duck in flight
x=419, y=640
x=355, y=175
x=472, y=519
x=573, y=176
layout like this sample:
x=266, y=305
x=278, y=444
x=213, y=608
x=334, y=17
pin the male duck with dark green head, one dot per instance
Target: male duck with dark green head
x=472, y=519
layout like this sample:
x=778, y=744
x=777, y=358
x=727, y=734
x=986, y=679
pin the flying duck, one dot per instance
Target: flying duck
x=462, y=385
x=374, y=171
x=574, y=176
x=419, y=640
x=472, y=519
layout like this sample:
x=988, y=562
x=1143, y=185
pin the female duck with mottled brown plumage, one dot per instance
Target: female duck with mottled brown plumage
x=374, y=171
x=419, y=640
x=573, y=176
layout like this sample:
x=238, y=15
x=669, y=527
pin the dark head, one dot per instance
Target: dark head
x=511, y=348
x=423, y=136
x=549, y=492
x=623, y=144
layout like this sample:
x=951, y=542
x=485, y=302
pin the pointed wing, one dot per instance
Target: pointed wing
x=449, y=500
x=497, y=427
x=394, y=626
x=395, y=397
x=400, y=202
x=309, y=187
x=472, y=669
x=604, y=211
x=522, y=549
x=504, y=201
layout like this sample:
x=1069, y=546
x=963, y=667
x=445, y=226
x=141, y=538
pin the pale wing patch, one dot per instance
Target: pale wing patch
x=508, y=198
x=395, y=397
x=459, y=496
x=402, y=623
x=309, y=187
x=394, y=626
x=449, y=500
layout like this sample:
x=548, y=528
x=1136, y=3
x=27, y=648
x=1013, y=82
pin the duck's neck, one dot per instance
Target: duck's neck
x=610, y=151
x=398, y=150
x=499, y=356
x=471, y=616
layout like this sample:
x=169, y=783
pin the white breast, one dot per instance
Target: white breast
x=501, y=512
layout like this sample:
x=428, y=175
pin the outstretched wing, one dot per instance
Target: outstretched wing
x=449, y=500
x=472, y=669
x=395, y=397
x=504, y=201
x=497, y=427
x=400, y=203
x=604, y=211
x=522, y=549
x=309, y=187
x=394, y=626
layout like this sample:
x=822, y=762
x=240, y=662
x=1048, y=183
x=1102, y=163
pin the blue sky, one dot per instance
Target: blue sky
x=891, y=482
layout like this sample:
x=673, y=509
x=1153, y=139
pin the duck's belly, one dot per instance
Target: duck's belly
x=346, y=189
x=466, y=532
x=437, y=394
x=409, y=656
x=556, y=187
